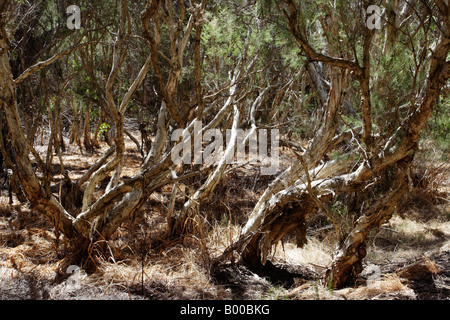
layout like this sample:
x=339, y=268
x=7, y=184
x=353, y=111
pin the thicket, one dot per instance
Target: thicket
x=350, y=102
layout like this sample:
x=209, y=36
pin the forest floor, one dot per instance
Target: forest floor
x=407, y=258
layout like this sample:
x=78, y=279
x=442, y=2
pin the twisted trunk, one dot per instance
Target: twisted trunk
x=293, y=195
x=278, y=200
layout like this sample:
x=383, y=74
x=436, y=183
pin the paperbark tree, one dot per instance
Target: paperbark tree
x=253, y=76
x=308, y=185
x=99, y=218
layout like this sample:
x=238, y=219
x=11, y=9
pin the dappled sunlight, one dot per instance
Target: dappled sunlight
x=224, y=150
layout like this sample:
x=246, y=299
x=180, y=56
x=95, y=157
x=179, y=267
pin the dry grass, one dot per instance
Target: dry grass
x=141, y=262
x=390, y=287
x=315, y=254
x=30, y=267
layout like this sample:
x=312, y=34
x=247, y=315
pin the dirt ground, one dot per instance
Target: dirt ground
x=408, y=257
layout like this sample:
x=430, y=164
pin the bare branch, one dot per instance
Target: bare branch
x=40, y=65
x=312, y=54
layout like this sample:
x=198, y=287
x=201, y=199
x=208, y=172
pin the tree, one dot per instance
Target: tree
x=100, y=218
x=359, y=96
x=167, y=28
x=374, y=156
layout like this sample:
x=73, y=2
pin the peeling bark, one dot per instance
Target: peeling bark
x=276, y=212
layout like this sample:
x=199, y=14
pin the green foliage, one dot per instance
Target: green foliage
x=336, y=155
x=225, y=39
x=76, y=66
x=351, y=121
x=234, y=30
x=104, y=127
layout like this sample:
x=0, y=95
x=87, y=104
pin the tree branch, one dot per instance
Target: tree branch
x=42, y=64
x=310, y=52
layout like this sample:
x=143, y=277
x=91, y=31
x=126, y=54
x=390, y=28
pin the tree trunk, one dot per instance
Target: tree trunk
x=277, y=211
x=348, y=262
x=278, y=199
x=76, y=124
x=38, y=197
x=87, y=141
x=177, y=223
